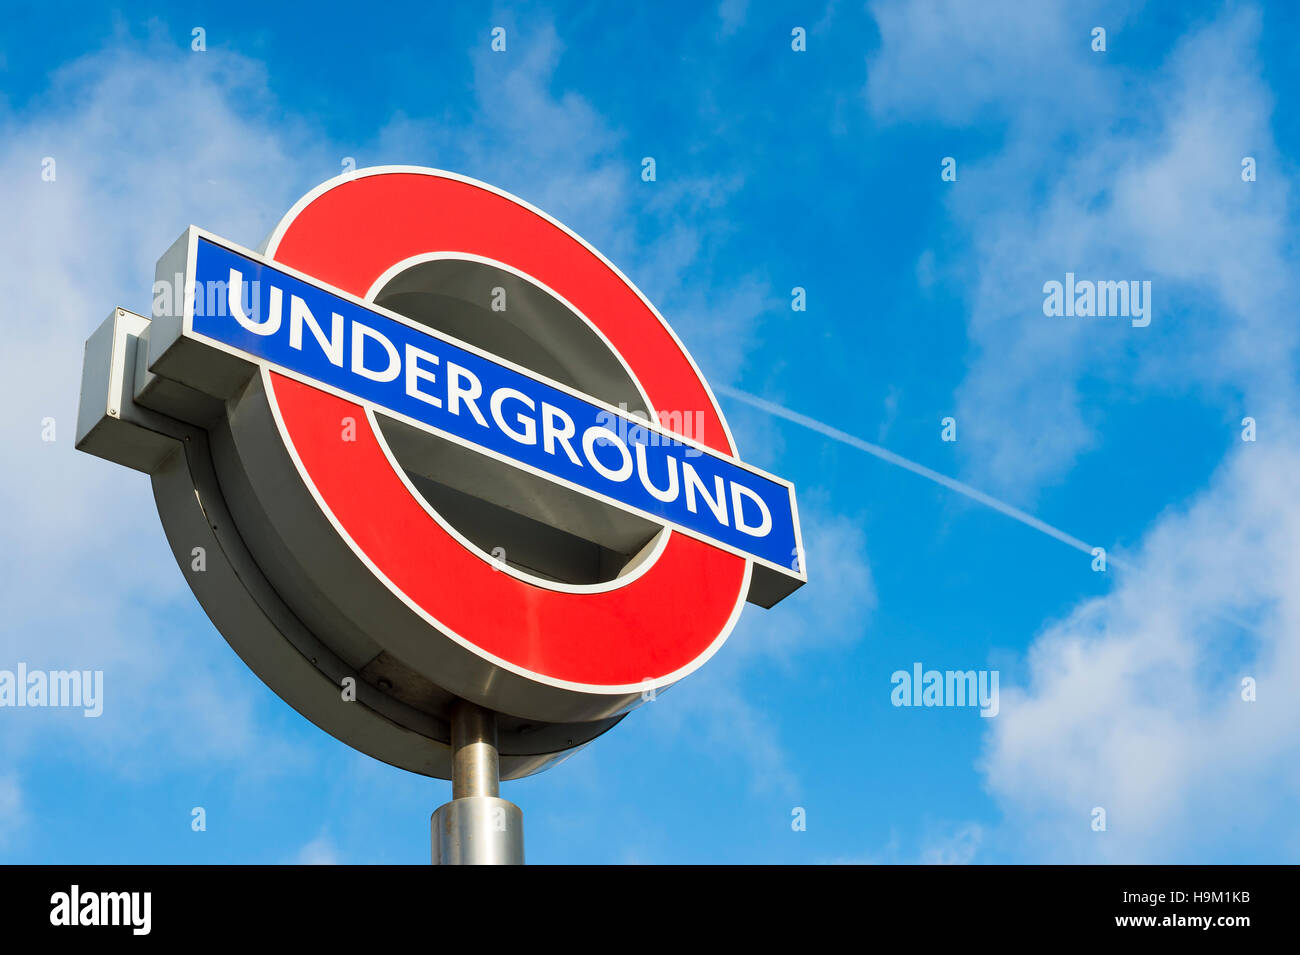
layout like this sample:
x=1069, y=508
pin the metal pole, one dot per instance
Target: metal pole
x=477, y=827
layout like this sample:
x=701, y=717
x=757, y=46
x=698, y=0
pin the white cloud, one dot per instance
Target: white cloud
x=1135, y=704
x=967, y=63
x=937, y=844
x=13, y=812
x=320, y=851
x=1134, y=699
x=732, y=15
x=960, y=846
x=145, y=139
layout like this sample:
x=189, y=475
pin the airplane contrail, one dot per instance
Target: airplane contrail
x=1015, y=513
x=885, y=454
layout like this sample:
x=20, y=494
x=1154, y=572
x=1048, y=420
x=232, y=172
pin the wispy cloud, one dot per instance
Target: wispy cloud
x=1100, y=180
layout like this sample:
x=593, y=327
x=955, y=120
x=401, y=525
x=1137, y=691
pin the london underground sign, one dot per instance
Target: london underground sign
x=325, y=338
x=429, y=446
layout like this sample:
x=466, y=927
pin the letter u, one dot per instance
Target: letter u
x=642, y=471
x=235, y=292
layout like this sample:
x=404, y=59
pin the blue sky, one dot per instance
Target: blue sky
x=775, y=169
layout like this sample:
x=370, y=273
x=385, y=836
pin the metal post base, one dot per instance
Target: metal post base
x=478, y=830
x=477, y=827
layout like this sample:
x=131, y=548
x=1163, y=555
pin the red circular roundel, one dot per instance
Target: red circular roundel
x=640, y=631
